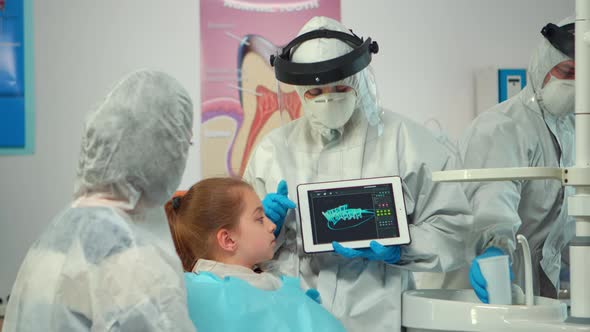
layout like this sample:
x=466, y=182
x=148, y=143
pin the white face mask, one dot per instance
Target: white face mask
x=558, y=96
x=332, y=110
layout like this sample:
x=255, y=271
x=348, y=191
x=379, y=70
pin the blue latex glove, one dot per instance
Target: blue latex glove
x=478, y=282
x=377, y=252
x=277, y=204
x=314, y=295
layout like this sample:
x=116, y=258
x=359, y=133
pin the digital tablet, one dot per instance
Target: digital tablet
x=352, y=212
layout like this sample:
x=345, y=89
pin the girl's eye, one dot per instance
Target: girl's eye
x=260, y=220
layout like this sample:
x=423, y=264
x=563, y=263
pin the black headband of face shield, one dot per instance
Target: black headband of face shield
x=323, y=72
x=562, y=38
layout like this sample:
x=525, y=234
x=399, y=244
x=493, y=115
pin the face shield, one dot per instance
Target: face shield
x=325, y=76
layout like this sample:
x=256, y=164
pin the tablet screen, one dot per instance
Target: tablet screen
x=353, y=213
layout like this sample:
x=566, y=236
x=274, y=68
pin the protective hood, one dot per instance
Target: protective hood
x=544, y=58
x=323, y=49
x=135, y=145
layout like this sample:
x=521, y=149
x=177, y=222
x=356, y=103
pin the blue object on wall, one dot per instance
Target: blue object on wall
x=16, y=78
x=12, y=123
x=12, y=54
x=510, y=82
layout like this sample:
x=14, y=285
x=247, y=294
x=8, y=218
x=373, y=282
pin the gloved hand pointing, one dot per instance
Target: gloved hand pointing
x=277, y=204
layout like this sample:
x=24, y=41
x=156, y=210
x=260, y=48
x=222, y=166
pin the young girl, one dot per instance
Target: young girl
x=221, y=233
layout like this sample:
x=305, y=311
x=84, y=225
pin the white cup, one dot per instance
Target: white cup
x=496, y=271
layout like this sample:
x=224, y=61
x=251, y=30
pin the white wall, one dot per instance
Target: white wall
x=428, y=53
x=429, y=49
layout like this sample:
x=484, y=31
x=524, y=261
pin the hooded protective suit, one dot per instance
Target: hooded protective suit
x=524, y=132
x=363, y=294
x=96, y=267
x=535, y=128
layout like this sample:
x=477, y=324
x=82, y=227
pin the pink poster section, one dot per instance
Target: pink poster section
x=238, y=88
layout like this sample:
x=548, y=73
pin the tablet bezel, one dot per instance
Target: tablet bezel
x=305, y=214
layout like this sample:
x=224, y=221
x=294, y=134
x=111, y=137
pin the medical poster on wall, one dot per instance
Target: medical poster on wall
x=239, y=102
